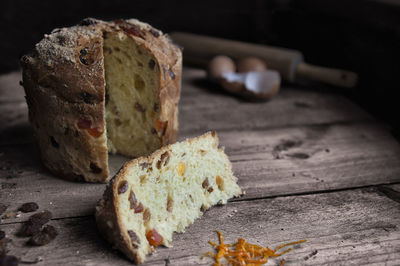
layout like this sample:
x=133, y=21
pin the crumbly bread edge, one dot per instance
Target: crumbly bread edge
x=107, y=214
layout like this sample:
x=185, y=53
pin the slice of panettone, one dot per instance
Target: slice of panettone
x=152, y=197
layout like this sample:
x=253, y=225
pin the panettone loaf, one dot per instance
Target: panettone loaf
x=101, y=87
x=152, y=197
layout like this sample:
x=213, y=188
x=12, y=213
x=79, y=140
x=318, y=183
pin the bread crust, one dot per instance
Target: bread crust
x=108, y=217
x=65, y=92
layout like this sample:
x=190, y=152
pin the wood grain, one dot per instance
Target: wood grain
x=291, y=156
x=320, y=158
x=342, y=228
x=205, y=107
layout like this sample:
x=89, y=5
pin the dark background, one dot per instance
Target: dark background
x=358, y=35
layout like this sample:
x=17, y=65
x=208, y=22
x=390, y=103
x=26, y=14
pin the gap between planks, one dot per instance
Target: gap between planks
x=389, y=190
x=352, y=227
x=359, y=155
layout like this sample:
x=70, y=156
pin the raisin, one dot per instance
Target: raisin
x=95, y=169
x=134, y=30
x=87, y=97
x=144, y=165
x=155, y=33
x=61, y=39
x=146, y=215
x=170, y=203
x=54, y=143
x=139, y=208
x=134, y=239
x=123, y=187
x=163, y=159
x=29, y=207
x=45, y=236
x=171, y=74
x=205, y=183
x=156, y=107
x=83, y=60
x=25, y=59
x=84, y=123
x=152, y=64
x=83, y=52
x=132, y=200
x=3, y=208
x=210, y=189
x=154, y=238
x=139, y=107
x=34, y=223
x=8, y=261
x=88, y=22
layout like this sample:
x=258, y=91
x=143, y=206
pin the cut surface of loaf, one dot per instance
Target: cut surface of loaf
x=152, y=197
x=101, y=87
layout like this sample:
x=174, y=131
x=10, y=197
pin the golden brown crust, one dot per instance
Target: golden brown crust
x=64, y=85
x=109, y=224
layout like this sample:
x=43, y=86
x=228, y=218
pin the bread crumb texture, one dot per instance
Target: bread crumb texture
x=152, y=197
x=132, y=107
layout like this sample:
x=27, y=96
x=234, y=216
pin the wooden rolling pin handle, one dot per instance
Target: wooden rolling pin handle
x=337, y=77
x=198, y=50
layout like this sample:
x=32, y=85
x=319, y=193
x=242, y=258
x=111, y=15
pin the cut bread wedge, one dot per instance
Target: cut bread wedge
x=152, y=197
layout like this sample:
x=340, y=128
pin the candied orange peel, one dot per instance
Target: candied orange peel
x=243, y=253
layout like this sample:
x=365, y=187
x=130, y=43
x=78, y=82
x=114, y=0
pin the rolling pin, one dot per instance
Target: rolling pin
x=198, y=50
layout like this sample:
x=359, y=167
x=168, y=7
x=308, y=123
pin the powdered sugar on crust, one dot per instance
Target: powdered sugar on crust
x=60, y=45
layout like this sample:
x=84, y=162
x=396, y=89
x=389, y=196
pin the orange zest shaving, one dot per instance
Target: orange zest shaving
x=243, y=253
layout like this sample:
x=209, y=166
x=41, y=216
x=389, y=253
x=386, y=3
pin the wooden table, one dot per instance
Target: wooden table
x=313, y=165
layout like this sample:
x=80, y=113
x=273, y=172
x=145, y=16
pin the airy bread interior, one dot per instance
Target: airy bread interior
x=132, y=79
x=167, y=191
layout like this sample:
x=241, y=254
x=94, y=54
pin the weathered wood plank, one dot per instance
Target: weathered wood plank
x=24, y=179
x=306, y=159
x=14, y=125
x=78, y=243
x=267, y=163
x=342, y=228
x=203, y=107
